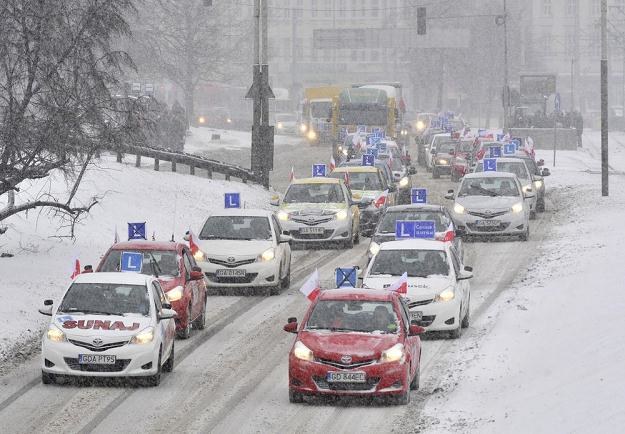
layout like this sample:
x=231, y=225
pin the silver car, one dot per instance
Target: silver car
x=492, y=204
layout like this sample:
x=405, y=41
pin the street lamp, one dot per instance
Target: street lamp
x=502, y=20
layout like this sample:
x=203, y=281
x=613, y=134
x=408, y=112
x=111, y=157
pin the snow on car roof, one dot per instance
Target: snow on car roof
x=245, y=212
x=318, y=180
x=415, y=207
x=145, y=245
x=413, y=244
x=489, y=175
x=356, y=169
x=119, y=278
x=357, y=294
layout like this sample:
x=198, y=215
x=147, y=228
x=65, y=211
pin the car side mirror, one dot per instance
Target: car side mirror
x=449, y=195
x=545, y=172
x=47, y=308
x=459, y=233
x=285, y=238
x=392, y=188
x=528, y=194
x=196, y=275
x=412, y=170
x=464, y=275
x=291, y=325
x=187, y=236
x=286, y=233
x=415, y=330
x=275, y=200
x=540, y=162
x=452, y=152
x=469, y=269
x=432, y=151
x=167, y=313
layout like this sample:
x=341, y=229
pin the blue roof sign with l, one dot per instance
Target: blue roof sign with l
x=490, y=165
x=346, y=277
x=136, y=231
x=404, y=229
x=368, y=160
x=495, y=151
x=509, y=149
x=131, y=262
x=407, y=229
x=361, y=129
x=418, y=195
x=373, y=151
x=319, y=170
x=232, y=200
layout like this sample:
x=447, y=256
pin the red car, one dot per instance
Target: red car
x=462, y=158
x=355, y=342
x=180, y=277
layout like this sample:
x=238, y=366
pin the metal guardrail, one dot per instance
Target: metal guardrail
x=193, y=161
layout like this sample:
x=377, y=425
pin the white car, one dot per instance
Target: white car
x=439, y=294
x=244, y=248
x=492, y=204
x=109, y=325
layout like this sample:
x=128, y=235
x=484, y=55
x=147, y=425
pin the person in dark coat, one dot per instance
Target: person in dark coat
x=578, y=124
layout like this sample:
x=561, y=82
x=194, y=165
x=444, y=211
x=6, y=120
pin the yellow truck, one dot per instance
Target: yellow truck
x=316, y=112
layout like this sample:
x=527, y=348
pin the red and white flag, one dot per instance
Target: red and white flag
x=76, y=270
x=346, y=177
x=401, y=285
x=311, y=288
x=379, y=201
x=529, y=147
x=332, y=164
x=448, y=235
x=292, y=174
x=193, y=239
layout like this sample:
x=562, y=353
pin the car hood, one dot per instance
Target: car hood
x=497, y=203
x=360, y=346
x=109, y=328
x=168, y=282
x=234, y=247
x=359, y=195
x=419, y=288
x=313, y=208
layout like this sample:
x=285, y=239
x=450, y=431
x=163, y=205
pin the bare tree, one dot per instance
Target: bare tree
x=57, y=67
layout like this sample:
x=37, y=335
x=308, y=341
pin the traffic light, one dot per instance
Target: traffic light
x=421, y=21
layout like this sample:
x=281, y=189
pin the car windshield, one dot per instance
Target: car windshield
x=106, y=299
x=439, y=139
x=516, y=167
x=490, y=186
x=446, y=147
x=354, y=316
x=155, y=262
x=236, y=228
x=314, y=193
x=387, y=225
x=361, y=180
x=417, y=263
x=320, y=109
x=395, y=163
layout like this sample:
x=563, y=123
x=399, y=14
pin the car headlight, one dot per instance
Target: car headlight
x=55, y=334
x=302, y=352
x=420, y=125
x=303, y=128
x=345, y=152
x=446, y=295
x=341, y=215
x=267, y=255
x=229, y=120
x=526, y=188
x=404, y=132
x=145, y=336
x=538, y=184
x=312, y=135
x=374, y=248
x=283, y=215
x=517, y=207
x=443, y=162
x=458, y=209
x=175, y=294
x=199, y=255
x=201, y=120
x=393, y=354
x=404, y=182
x=280, y=126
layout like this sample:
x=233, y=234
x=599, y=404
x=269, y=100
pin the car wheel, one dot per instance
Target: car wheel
x=48, y=378
x=414, y=384
x=186, y=332
x=540, y=206
x=532, y=215
x=169, y=364
x=348, y=244
x=467, y=316
x=454, y=176
x=526, y=235
x=357, y=237
x=155, y=380
x=456, y=333
x=435, y=174
x=286, y=281
x=200, y=321
x=295, y=397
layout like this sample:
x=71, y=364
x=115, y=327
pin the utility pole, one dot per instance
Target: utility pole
x=506, y=85
x=260, y=92
x=604, y=98
x=575, y=62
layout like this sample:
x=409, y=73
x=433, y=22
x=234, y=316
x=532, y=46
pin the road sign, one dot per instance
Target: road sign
x=517, y=142
x=136, y=231
x=556, y=102
x=425, y=229
x=342, y=134
x=382, y=146
x=404, y=229
x=368, y=160
x=346, y=277
x=361, y=129
x=319, y=170
x=494, y=151
x=131, y=262
x=509, y=149
x=490, y=165
x=232, y=200
x=373, y=151
x=418, y=195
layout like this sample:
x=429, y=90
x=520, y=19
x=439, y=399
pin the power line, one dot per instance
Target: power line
x=391, y=8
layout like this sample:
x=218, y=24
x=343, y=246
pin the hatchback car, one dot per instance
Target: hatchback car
x=355, y=342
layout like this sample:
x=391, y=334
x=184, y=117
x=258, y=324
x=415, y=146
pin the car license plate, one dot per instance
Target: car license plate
x=416, y=315
x=98, y=359
x=315, y=230
x=234, y=272
x=345, y=377
x=487, y=223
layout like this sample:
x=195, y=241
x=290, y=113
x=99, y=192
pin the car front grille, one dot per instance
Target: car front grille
x=231, y=264
x=308, y=222
x=486, y=229
x=489, y=215
x=346, y=365
x=370, y=384
x=248, y=278
x=324, y=236
x=118, y=366
x=420, y=303
x=99, y=348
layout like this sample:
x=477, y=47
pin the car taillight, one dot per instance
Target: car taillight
x=380, y=202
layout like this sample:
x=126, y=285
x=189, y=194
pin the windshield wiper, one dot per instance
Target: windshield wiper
x=491, y=193
x=91, y=311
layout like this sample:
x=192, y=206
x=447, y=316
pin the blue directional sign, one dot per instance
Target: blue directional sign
x=368, y=160
x=494, y=151
x=490, y=165
x=404, y=229
x=373, y=151
x=361, y=129
x=131, y=262
x=372, y=140
x=382, y=146
x=509, y=149
x=425, y=229
x=500, y=137
x=136, y=231
x=319, y=170
x=232, y=200
x=346, y=277
x=342, y=134
x=418, y=195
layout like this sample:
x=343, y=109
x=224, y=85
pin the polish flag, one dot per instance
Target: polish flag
x=292, y=174
x=447, y=236
x=193, y=242
x=529, y=146
x=332, y=164
x=401, y=285
x=390, y=160
x=76, y=271
x=346, y=177
x=379, y=201
x=311, y=288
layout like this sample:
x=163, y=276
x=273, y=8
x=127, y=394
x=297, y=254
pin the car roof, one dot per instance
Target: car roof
x=508, y=160
x=489, y=175
x=347, y=294
x=147, y=245
x=246, y=212
x=413, y=244
x=318, y=180
x=356, y=169
x=415, y=207
x=114, y=277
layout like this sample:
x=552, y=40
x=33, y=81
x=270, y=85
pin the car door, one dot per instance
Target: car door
x=458, y=244
x=462, y=286
x=165, y=329
x=191, y=286
x=354, y=210
x=410, y=342
x=283, y=250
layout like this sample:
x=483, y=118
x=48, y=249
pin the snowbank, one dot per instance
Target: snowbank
x=168, y=202
x=551, y=359
x=200, y=140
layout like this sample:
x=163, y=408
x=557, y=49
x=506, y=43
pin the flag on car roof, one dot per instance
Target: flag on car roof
x=193, y=242
x=76, y=270
x=346, y=176
x=401, y=285
x=116, y=235
x=380, y=200
x=332, y=164
x=311, y=288
x=292, y=174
